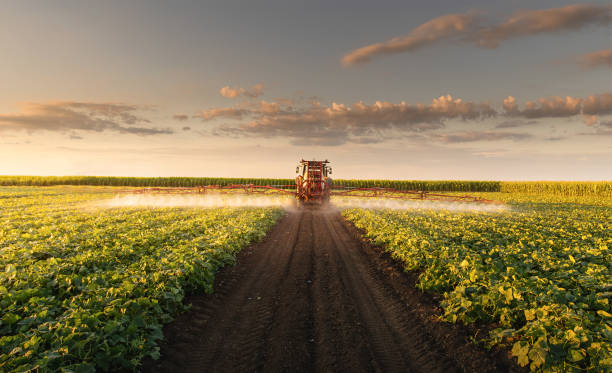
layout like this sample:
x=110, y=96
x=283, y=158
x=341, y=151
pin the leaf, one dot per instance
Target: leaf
x=473, y=276
x=603, y=314
x=576, y=355
x=521, y=350
x=537, y=354
x=530, y=314
x=155, y=353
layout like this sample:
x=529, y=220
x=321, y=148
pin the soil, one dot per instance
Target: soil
x=314, y=297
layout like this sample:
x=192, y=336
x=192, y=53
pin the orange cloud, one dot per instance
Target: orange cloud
x=598, y=104
x=430, y=32
x=315, y=123
x=253, y=92
x=211, y=114
x=83, y=116
x=559, y=107
x=180, y=117
x=335, y=124
x=599, y=58
x=474, y=136
x=464, y=27
x=532, y=22
x=269, y=107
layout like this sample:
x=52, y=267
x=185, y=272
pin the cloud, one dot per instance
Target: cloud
x=227, y=112
x=510, y=104
x=533, y=22
x=315, y=123
x=603, y=129
x=473, y=136
x=599, y=58
x=180, y=117
x=515, y=123
x=253, y=92
x=431, y=32
x=589, y=120
x=467, y=28
x=555, y=138
x=549, y=107
x=81, y=116
x=598, y=104
x=496, y=153
x=562, y=107
x=269, y=108
x=337, y=123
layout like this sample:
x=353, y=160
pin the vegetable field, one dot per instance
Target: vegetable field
x=85, y=288
x=542, y=272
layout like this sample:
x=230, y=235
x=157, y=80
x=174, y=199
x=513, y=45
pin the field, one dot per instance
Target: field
x=560, y=188
x=541, y=272
x=87, y=287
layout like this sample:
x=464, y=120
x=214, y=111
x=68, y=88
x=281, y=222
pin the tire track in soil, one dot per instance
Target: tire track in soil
x=399, y=344
x=312, y=297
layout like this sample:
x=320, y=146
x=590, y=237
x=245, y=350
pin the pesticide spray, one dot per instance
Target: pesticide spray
x=207, y=201
x=403, y=204
x=288, y=202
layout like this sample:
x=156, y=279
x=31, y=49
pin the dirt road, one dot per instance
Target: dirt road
x=313, y=297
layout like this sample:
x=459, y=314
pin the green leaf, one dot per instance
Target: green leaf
x=530, y=314
x=521, y=350
x=576, y=355
x=538, y=356
x=155, y=353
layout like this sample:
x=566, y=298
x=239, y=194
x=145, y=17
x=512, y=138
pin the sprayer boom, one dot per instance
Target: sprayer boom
x=314, y=186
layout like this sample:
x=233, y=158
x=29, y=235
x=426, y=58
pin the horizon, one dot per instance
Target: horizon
x=288, y=178
x=518, y=91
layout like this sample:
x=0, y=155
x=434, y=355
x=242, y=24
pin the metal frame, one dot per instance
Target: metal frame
x=292, y=189
x=314, y=186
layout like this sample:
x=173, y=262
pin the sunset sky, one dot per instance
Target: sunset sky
x=506, y=90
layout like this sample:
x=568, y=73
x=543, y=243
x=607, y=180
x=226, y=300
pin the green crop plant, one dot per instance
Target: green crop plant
x=86, y=289
x=541, y=271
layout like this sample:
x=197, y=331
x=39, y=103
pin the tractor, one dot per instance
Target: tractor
x=313, y=185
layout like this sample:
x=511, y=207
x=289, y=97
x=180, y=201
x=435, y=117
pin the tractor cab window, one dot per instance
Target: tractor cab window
x=300, y=170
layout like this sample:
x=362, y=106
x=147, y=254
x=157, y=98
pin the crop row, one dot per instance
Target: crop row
x=541, y=271
x=87, y=289
x=568, y=188
x=578, y=188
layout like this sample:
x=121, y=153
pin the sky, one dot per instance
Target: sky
x=440, y=89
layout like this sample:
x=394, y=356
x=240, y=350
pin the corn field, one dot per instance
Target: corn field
x=558, y=188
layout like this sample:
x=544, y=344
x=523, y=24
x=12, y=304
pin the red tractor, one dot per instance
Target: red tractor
x=313, y=185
